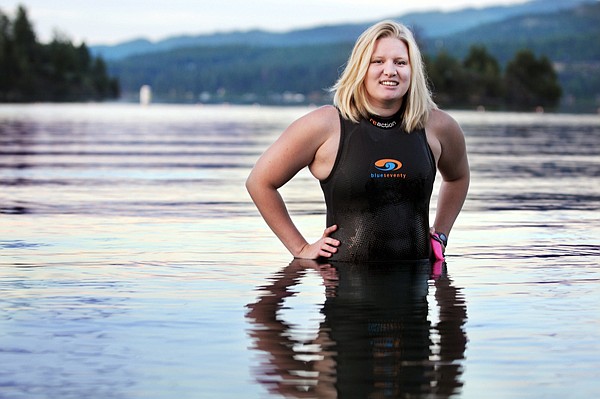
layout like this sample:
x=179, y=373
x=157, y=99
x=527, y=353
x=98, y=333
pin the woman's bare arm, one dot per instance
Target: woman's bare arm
x=453, y=165
x=296, y=148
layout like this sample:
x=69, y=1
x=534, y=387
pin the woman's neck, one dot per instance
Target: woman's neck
x=387, y=110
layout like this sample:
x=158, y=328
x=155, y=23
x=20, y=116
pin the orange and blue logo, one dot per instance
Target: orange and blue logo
x=388, y=168
x=388, y=165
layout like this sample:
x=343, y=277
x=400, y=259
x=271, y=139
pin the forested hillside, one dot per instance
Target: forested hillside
x=564, y=36
x=429, y=24
x=524, y=56
x=57, y=71
x=236, y=73
x=569, y=39
x=302, y=74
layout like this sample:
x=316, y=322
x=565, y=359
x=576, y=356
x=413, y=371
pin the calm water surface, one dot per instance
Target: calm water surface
x=133, y=265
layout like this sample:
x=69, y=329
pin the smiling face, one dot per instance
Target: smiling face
x=388, y=76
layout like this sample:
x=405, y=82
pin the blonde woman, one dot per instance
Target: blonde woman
x=375, y=153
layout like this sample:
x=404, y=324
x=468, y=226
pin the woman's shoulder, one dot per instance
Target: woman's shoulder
x=442, y=125
x=314, y=126
x=321, y=120
x=440, y=120
x=323, y=114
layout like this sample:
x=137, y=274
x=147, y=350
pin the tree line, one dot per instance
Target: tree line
x=55, y=72
x=303, y=74
x=527, y=82
x=61, y=71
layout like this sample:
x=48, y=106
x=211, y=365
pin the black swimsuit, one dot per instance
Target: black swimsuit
x=378, y=192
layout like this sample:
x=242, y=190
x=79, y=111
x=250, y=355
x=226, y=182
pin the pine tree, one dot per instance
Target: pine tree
x=58, y=71
x=484, y=77
x=531, y=82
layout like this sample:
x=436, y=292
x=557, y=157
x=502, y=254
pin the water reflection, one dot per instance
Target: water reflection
x=379, y=336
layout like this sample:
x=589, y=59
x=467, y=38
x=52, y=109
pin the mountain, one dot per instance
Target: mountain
x=569, y=38
x=237, y=72
x=439, y=24
x=427, y=24
x=566, y=36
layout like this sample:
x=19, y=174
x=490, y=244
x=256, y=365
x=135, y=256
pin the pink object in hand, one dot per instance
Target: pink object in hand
x=436, y=246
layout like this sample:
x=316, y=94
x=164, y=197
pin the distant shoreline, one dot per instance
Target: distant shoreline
x=126, y=110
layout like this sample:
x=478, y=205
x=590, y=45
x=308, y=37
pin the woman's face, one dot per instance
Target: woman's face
x=388, y=76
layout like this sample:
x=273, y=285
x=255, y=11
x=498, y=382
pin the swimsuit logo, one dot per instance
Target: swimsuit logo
x=388, y=165
x=383, y=125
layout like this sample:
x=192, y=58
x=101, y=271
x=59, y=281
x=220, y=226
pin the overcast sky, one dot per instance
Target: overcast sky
x=114, y=21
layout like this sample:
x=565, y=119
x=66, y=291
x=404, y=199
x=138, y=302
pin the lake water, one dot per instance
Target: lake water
x=134, y=265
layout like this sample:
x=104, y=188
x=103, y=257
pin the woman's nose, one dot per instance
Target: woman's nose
x=390, y=69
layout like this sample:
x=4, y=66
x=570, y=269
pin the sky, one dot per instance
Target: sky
x=114, y=21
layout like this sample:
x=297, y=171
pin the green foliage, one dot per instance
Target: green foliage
x=569, y=38
x=448, y=80
x=235, y=73
x=531, y=82
x=484, y=78
x=58, y=71
x=263, y=74
x=478, y=81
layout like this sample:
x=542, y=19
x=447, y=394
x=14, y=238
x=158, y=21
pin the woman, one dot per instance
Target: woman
x=375, y=154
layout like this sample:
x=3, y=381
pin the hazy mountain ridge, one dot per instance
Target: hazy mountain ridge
x=264, y=72
x=565, y=36
x=427, y=24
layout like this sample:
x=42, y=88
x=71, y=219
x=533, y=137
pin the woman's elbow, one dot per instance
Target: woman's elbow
x=251, y=183
x=257, y=184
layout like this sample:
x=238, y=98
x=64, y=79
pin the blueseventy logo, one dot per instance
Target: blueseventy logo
x=388, y=168
x=388, y=165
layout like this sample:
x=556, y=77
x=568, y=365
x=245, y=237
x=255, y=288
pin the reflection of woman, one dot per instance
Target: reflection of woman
x=375, y=154
x=376, y=339
x=283, y=371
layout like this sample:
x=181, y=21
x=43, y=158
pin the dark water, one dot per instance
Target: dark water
x=133, y=265
x=375, y=339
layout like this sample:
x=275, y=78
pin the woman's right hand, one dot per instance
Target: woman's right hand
x=325, y=247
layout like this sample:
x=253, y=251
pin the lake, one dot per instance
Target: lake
x=134, y=265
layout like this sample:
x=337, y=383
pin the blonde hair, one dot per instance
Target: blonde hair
x=350, y=94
